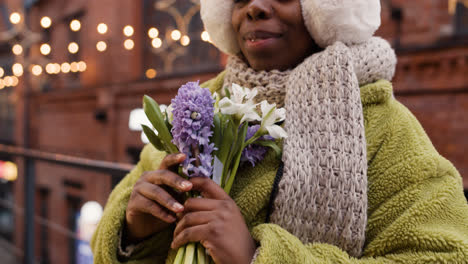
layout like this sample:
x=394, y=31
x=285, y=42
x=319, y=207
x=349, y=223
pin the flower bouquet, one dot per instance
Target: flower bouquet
x=216, y=135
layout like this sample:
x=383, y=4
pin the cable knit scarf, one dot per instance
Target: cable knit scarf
x=322, y=194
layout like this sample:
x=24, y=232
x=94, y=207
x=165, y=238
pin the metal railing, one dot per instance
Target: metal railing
x=30, y=156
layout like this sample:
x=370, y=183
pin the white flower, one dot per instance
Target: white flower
x=270, y=116
x=168, y=110
x=240, y=104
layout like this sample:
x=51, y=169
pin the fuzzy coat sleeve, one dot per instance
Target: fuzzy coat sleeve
x=417, y=211
x=105, y=241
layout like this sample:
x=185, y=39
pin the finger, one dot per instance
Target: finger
x=193, y=219
x=192, y=234
x=208, y=188
x=200, y=204
x=171, y=160
x=158, y=194
x=169, y=178
x=148, y=206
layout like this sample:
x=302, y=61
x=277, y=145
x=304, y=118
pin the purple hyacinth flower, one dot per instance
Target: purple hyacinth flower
x=254, y=153
x=193, y=111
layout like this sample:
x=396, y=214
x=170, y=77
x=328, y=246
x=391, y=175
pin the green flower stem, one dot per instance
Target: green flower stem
x=201, y=255
x=228, y=186
x=190, y=253
x=180, y=255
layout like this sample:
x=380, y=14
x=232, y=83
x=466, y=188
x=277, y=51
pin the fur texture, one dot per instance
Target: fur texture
x=348, y=21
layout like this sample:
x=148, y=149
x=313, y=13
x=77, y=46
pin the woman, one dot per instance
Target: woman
x=359, y=180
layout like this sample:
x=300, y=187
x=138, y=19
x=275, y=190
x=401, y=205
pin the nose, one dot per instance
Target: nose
x=258, y=10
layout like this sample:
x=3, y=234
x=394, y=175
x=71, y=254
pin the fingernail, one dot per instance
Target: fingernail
x=178, y=206
x=186, y=184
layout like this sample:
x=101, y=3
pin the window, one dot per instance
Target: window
x=461, y=18
x=175, y=44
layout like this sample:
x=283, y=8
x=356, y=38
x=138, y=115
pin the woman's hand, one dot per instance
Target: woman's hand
x=152, y=206
x=217, y=223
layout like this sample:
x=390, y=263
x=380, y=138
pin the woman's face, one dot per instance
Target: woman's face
x=271, y=33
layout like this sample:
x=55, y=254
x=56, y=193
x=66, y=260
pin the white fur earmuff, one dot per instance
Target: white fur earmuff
x=328, y=21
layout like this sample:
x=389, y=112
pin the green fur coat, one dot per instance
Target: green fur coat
x=417, y=212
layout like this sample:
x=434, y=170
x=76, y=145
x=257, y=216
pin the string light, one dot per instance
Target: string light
x=2, y=72
x=157, y=43
x=73, y=47
x=82, y=66
x=129, y=44
x=74, y=66
x=50, y=69
x=175, y=34
x=185, y=40
x=128, y=31
x=45, y=49
x=46, y=22
x=75, y=25
x=153, y=33
x=65, y=67
x=14, y=81
x=36, y=70
x=2, y=84
x=151, y=73
x=205, y=36
x=57, y=68
x=17, y=69
x=15, y=18
x=17, y=49
x=102, y=28
x=101, y=46
x=8, y=81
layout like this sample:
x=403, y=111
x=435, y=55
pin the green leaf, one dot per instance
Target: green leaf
x=156, y=118
x=271, y=144
x=153, y=138
x=217, y=132
x=226, y=91
x=237, y=154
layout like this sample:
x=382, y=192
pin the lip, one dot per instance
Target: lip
x=260, y=39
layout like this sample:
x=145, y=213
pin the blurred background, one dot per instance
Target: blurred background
x=72, y=77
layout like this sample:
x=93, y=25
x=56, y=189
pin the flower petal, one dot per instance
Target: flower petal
x=276, y=131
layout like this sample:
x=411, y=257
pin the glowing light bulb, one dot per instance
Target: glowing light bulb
x=175, y=34
x=75, y=25
x=128, y=31
x=17, y=69
x=15, y=18
x=8, y=81
x=45, y=49
x=65, y=67
x=101, y=46
x=17, y=49
x=205, y=36
x=82, y=66
x=151, y=73
x=57, y=68
x=129, y=44
x=156, y=43
x=185, y=40
x=46, y=22
x=74, y=66
x=2, y=84
x=73, y=47
x=50, y=69
x=153, y=33
x=102, y=28
x=2, y=72
x=36, y=70
x=14, y=81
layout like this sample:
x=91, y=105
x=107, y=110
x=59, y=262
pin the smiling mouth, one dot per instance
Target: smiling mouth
x=255, y=36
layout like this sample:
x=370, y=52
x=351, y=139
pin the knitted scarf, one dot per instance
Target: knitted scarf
x=322, y=193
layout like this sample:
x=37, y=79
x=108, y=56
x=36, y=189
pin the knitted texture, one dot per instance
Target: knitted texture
x=322, y=195
x=373, y=60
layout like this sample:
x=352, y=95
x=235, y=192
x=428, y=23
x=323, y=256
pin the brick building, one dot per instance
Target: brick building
x=85, y=114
